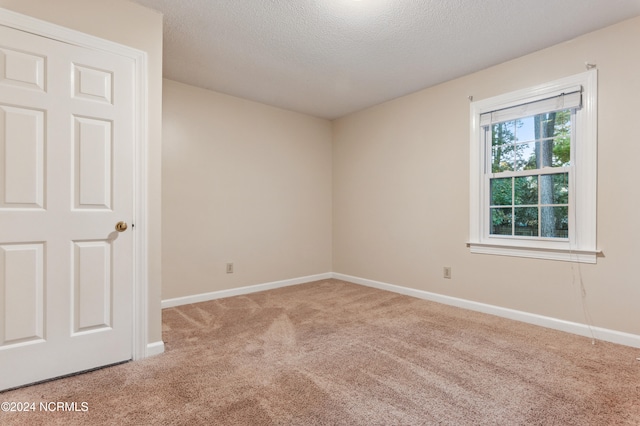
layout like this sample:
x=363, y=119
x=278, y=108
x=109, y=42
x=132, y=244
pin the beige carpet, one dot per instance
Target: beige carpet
x=334, y=353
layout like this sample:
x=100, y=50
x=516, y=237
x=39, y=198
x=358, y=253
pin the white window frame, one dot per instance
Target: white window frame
x=581, y=244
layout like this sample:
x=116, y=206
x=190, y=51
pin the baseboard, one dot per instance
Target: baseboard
x=155, y=348
x=204, y=297
x=599, y=333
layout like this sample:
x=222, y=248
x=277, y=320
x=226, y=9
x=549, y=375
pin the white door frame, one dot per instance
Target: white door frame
x=140, y=262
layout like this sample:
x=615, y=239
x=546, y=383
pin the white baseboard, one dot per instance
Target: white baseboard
x=155, y=348
x=204, y=297
x=599, y=333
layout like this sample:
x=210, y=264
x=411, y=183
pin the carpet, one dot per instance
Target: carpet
x=336, y=353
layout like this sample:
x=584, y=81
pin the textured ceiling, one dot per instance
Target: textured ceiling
x=328, y=58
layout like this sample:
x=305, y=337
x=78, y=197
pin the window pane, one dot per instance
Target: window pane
x=562, y=139
x=554, y=189
x=544, y=125
x=501, y=192
x=526, y=221
x=502, y=158
x=554, y=222
x=525, y=129
x=504, y=132
x=501, y=221
x=526, y=190
x=561, y=188
x=527, y=156
x=545, y=153
x=502, y=149
x=561, y=152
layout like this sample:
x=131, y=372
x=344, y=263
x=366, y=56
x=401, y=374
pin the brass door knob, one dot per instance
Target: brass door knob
x=121, y=226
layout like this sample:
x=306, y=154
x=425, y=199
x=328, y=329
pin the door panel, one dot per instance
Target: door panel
x=21, y=293
x=21, y=69
x=92, y=171
x=22, y=152
x=92, y=286
x=93, y=84
x=66, y=178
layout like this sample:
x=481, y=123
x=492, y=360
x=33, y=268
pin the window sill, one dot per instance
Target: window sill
x=565, y=255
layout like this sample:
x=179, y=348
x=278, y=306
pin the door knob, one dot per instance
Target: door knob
x=121, y=226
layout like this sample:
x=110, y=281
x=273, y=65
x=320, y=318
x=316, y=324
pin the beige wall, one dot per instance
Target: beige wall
x=244, y=183
x=135, y=26
x=401, y=190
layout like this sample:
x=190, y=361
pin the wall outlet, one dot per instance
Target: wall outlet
x=446, y=272
x=229, y=268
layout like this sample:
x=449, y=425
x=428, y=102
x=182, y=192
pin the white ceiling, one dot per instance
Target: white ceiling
x=328, y=58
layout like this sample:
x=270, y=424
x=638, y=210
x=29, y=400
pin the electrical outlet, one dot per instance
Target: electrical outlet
x=446, y=272
x=229, y=268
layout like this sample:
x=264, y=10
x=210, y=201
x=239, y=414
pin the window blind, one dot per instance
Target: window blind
x=570, y=98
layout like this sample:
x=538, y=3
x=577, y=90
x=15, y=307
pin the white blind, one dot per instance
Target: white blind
x=568, y=99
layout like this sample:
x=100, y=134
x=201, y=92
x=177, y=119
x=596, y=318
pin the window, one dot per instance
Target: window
x=533, y=172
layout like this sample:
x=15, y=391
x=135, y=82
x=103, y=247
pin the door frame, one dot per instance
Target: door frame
x=140, y=203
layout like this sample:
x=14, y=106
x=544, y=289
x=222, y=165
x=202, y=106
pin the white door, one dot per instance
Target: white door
x=66, y=179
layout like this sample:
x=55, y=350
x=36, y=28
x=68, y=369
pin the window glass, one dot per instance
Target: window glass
x=501, y=221
x=526, y=190
x=538, y=199
x=501, y=192
x=526, y=221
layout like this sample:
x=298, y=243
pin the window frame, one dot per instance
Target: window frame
x=581, y=244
